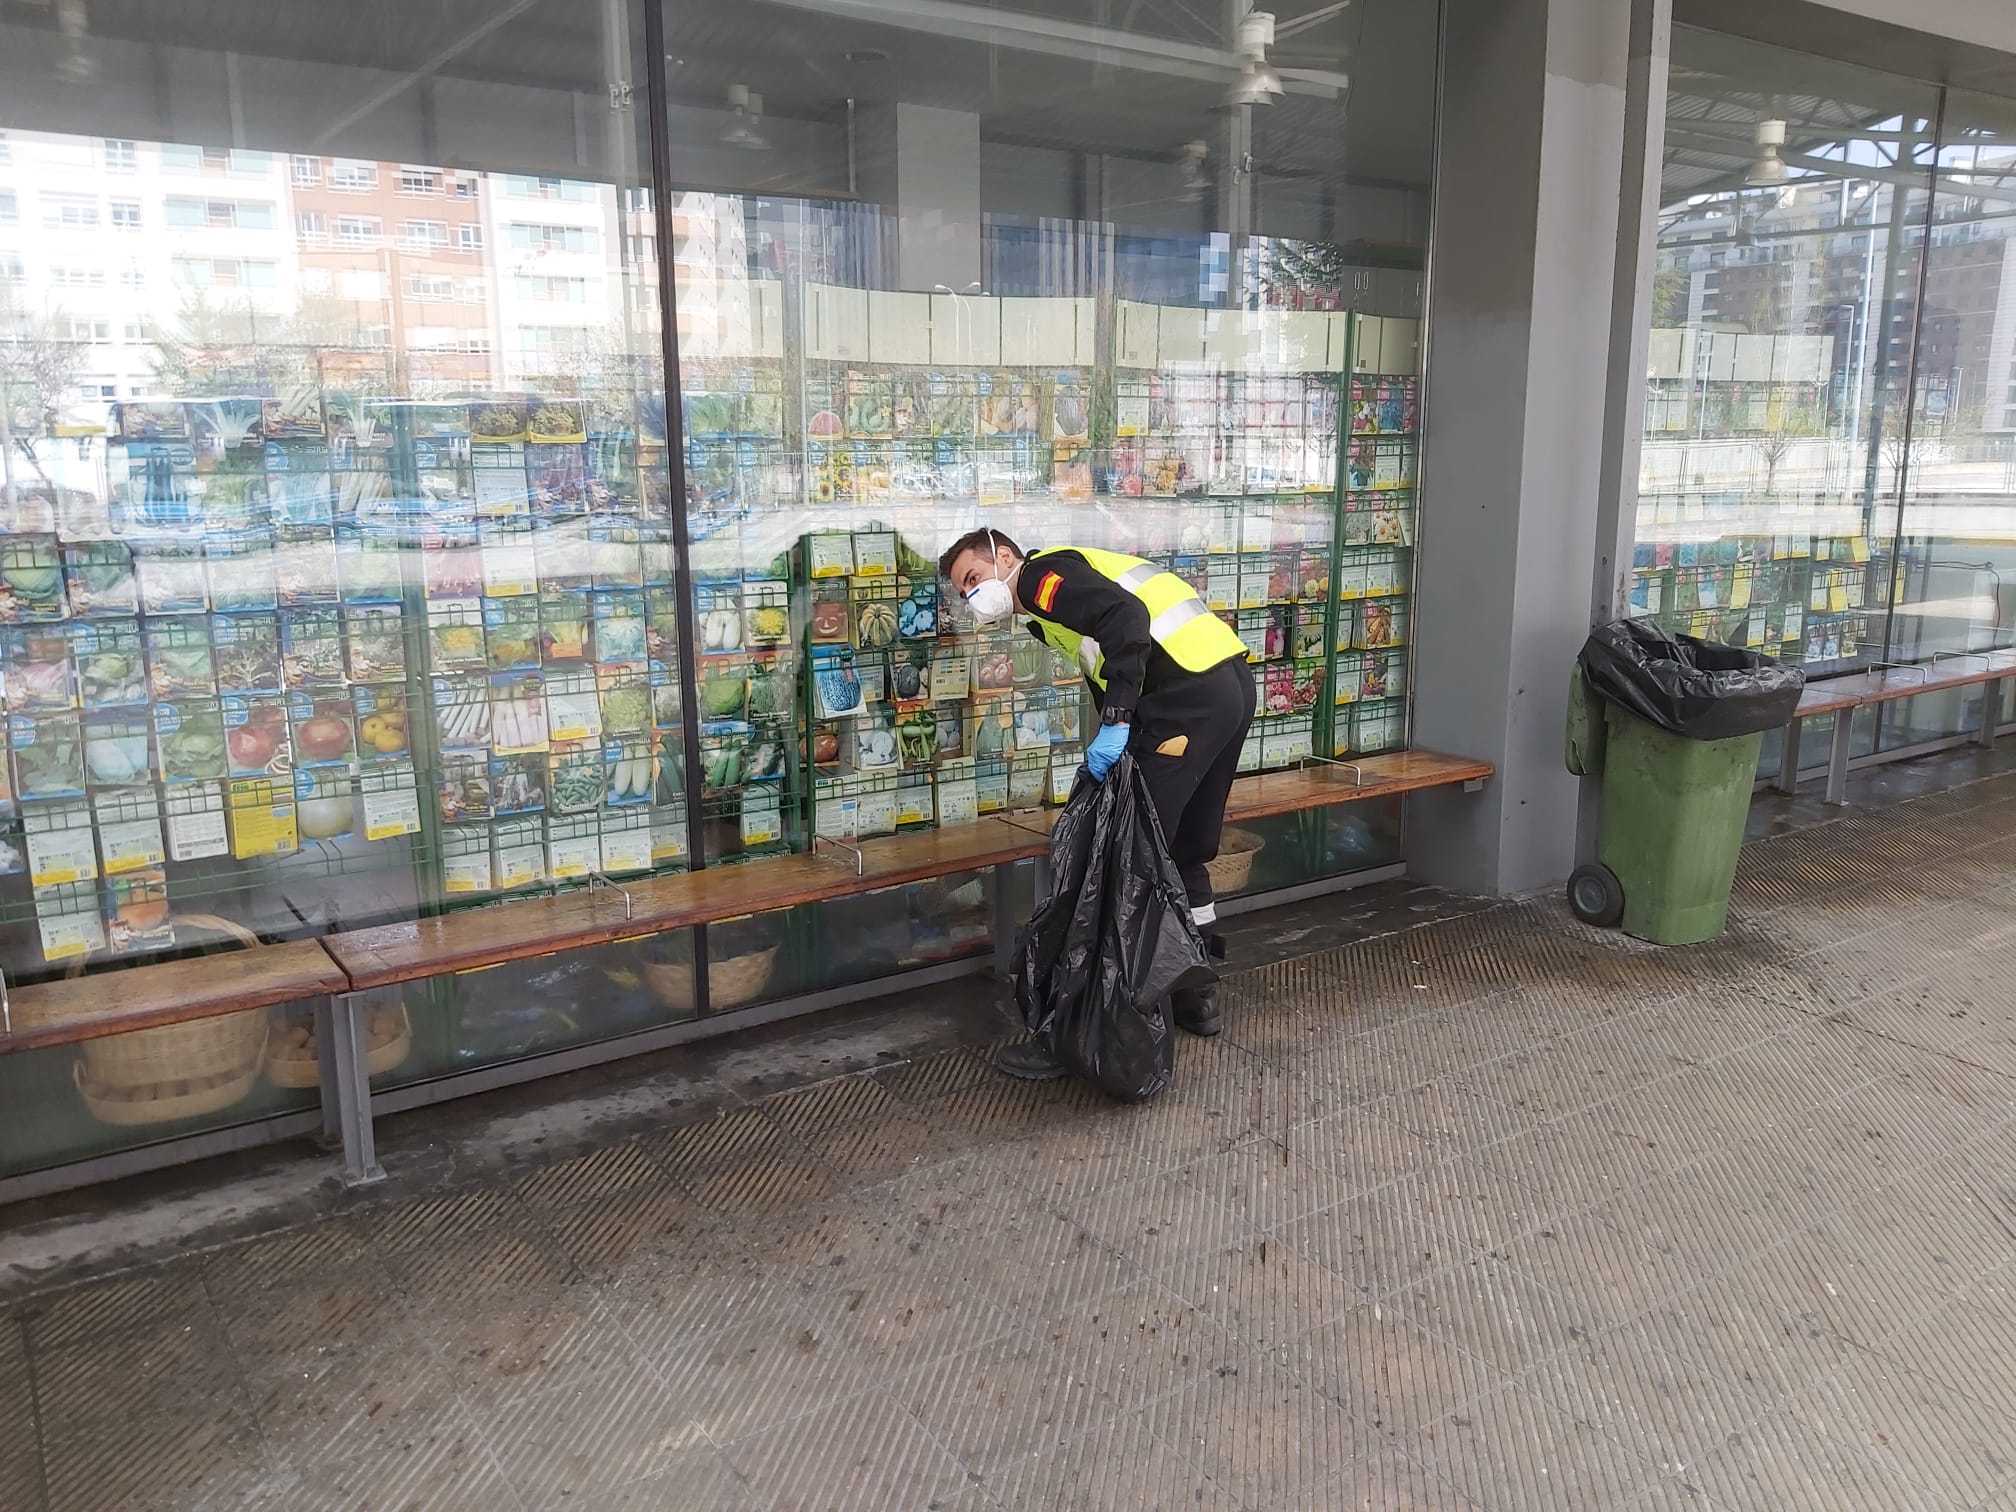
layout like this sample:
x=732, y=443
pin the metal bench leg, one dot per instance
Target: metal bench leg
x=1991, y=712
x=346, y=1087
x=1837, y=760
x=1004, y=920
x=1788, y=760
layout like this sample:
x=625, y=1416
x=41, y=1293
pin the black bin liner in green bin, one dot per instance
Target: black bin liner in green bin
x=1698, y=689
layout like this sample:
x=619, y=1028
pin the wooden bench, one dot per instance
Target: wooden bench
x=339, y=967
x=74, y=1009
x=1841, y=696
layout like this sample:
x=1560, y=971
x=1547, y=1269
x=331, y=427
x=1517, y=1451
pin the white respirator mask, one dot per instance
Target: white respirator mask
x=990, y=599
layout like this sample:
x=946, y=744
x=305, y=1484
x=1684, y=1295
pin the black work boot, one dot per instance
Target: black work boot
x=1195, y=1010
x=1025, y=1060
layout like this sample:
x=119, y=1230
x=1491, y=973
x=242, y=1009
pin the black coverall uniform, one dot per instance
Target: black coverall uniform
x=1187, y=727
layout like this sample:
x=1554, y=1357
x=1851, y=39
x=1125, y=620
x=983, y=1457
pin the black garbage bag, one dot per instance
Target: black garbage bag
x=1695, y=688
x=1095, y=965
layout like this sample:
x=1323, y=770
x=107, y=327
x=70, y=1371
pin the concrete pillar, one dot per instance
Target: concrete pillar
x=1523, y=269
x=924, y=163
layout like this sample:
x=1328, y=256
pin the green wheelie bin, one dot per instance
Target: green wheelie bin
x=1674, y=802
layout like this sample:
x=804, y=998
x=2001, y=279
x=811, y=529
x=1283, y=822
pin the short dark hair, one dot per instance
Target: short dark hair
x=982, y=540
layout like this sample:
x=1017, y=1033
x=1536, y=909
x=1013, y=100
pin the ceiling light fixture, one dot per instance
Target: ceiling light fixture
x=1769, y=170
x=1257, y=83
x=744, y=130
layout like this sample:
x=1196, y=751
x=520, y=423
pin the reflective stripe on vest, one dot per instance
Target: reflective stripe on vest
x=1180, y=622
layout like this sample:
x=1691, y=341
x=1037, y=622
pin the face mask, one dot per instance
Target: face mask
x=991, y=601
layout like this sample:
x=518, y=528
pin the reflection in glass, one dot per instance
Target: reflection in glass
x=1775, y=438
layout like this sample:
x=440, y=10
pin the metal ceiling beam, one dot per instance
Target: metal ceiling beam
x=1066, y=39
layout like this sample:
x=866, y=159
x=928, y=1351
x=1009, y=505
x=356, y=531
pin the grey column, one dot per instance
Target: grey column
x=1523, y=508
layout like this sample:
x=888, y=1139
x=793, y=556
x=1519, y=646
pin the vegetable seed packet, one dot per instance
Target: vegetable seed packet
x=311, y=647
x=189, y=742
x=375, y=638
x=111, y=670
x=246, y=651
x=98, y=577
x=172, y=581
x=31, y=580
x=48, y=752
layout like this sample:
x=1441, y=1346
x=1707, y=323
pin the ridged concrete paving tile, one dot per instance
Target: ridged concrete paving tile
x=1495, y=1212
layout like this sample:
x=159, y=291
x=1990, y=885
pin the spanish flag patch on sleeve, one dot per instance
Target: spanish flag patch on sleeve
x=1046, y=591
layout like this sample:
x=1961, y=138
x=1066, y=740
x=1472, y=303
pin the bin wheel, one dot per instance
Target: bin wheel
x=1596, y=896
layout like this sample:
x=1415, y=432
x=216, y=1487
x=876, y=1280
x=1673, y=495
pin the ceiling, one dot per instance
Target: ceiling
x=1721, y=86
x=808, y=57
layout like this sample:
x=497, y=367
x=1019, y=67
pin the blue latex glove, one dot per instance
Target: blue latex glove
x=1107, y=747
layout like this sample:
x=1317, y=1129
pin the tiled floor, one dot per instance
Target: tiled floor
x=1497, y=1212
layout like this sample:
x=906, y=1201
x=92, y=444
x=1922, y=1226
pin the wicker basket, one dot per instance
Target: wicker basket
x=1233, y=868
x=198, y=1052
x=188, y=1099
x=733, y=981
x=306, y=1071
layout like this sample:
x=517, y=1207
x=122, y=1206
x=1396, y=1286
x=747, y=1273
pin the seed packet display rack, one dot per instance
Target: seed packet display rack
x=1800, y=580
x=330, y=659
x=430, y=651
x=1286, y=498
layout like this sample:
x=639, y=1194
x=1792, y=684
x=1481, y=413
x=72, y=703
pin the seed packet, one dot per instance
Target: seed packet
x=625, y=694
x=241, y=573
x=573, y=705
x=627, y=843
x=98, y=578
x=390, y=796
x=518, y=853
x=320, y=727
x=299, y=487
x=311, y=647
x=261, y=817
x=465, y=859
x=375, y=643
x=383, y=726
x=172, y=580
x=48, y=752
x=462, y=712
x=452, y=572
x=325, y=803
x=128, y=821
x=368, y=568
x=510, y=563
x=620, y=627
x=189, y=741
x=455, y=641
x=464, y=786
x=61, y=844
x=68, y=920
x=31, y=580
x=111, y=671
x=517, y=713
x=195, y=819
x=40, y=675
x=497, y=419
x=116, y=751
x=256, y=735
x=304, y=566
x=563, y=625
x=136, y=913
x=246, y=651
x=511, y=629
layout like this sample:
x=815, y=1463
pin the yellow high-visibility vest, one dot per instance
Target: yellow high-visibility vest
x=1179, y=621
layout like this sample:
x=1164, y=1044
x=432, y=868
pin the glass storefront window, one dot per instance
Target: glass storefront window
x=1955, y=589
x=1791, y=223
x=355, y=567
x=338, y=528
x=1065, y=287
